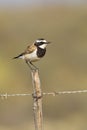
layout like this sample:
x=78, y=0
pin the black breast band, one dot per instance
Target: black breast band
x=41, y=52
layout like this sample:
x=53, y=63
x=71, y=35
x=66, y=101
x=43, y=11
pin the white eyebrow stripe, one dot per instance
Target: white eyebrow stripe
x=41, y=41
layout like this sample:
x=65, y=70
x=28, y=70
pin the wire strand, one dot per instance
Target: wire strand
x=6, y=95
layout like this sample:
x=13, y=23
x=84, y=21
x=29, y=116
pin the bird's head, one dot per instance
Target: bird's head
x=42, y=43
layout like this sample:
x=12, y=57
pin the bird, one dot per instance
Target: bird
x=34, y=52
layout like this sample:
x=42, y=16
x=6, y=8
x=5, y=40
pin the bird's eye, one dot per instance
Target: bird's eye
x=39, y=43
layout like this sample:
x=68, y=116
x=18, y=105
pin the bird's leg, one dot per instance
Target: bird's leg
x=28, y=63
x=31, y=65
x=35, y=68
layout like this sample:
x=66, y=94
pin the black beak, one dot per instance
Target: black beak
x=48, y=42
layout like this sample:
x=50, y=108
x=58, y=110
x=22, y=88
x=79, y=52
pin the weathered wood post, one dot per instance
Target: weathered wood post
x=37, y=98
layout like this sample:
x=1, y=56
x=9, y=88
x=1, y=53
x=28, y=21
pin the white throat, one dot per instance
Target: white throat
x=43, y=46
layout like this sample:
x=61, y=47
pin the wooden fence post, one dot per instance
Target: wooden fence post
x=37, y=98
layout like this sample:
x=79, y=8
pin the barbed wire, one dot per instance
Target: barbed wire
x=6, y=95
x=65, y=92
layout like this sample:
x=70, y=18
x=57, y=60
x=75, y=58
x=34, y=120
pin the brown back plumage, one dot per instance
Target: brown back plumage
x=30, y=48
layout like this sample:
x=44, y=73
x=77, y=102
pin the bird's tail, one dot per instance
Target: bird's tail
x=19, y=56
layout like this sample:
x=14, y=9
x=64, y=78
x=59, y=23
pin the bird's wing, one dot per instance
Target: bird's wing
x=30, y=48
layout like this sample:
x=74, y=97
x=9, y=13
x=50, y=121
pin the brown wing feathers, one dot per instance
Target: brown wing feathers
x=30, y=48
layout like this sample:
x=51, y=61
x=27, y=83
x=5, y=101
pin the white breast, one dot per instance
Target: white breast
x=32, y=56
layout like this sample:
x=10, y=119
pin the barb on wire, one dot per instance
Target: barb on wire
x=6, y=95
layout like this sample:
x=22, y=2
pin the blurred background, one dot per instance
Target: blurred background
x=64, y=23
